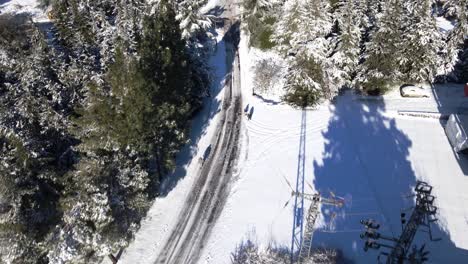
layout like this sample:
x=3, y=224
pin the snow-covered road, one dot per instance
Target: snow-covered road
x=208, y=195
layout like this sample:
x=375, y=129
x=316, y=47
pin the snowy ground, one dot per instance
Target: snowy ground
x=359, y=148
x=24, y=6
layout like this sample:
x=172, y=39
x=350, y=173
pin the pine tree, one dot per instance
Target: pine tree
x=305, y=84
x=453, y=45
x=347, y=51
x=419, y=58
x=259, y=18
x=290, y=23
x=303, y=32
x=166, y=68
x=380, y=69
x=192, y=21
x=452, y=9
x=303, y=23
x=84, y=114
x=115, y=120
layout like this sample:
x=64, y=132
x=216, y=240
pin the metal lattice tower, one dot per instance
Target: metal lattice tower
x=312, y=215
x=302, y=239
x=422, y=216
x=299, y=199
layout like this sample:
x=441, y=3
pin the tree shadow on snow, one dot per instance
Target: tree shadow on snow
x=221, y=67
x=365, y=161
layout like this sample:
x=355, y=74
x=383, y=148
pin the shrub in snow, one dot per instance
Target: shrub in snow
x=248, y=252
x=452, y=53
x=268, y=73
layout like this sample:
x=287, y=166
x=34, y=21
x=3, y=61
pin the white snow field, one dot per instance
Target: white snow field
x=361, y=148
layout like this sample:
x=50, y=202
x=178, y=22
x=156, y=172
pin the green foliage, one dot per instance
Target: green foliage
x=380, y=69
x=116, y=119
x=334, y=3
x=167, y=69
x=377, y=86
x=262, y=38
x=73, y=23
x=14, y=31
x=259, y=22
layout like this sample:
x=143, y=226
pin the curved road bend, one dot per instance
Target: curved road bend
x=211, y=188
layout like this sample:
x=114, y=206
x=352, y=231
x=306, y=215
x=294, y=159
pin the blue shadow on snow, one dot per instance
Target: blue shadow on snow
x=365, y=161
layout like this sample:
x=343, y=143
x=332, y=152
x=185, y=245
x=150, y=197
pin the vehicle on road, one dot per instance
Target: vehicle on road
x=456, y=130
x=409, y=90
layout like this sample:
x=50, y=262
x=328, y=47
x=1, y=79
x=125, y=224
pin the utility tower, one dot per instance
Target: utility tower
x=299, y=199
x=302, y=239
x=399, y=248
x=306, y=249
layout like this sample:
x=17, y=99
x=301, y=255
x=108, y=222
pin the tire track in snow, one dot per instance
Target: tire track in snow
x=204, y=204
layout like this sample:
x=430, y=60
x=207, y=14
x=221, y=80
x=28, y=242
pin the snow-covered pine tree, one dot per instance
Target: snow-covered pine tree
x=452, y=9
x=380, y=68
x=304, y=23
x=290, y=22
x=418, y=57
x=35, y=142
x=195, y=27
x=258, y=17
x=372, y=11
x=346, y=52
x=305, y=80
x=302, y=33
x=128, y=22
x=254, y=10
x=75, y=197
x=450, y=53
x=192, y=20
